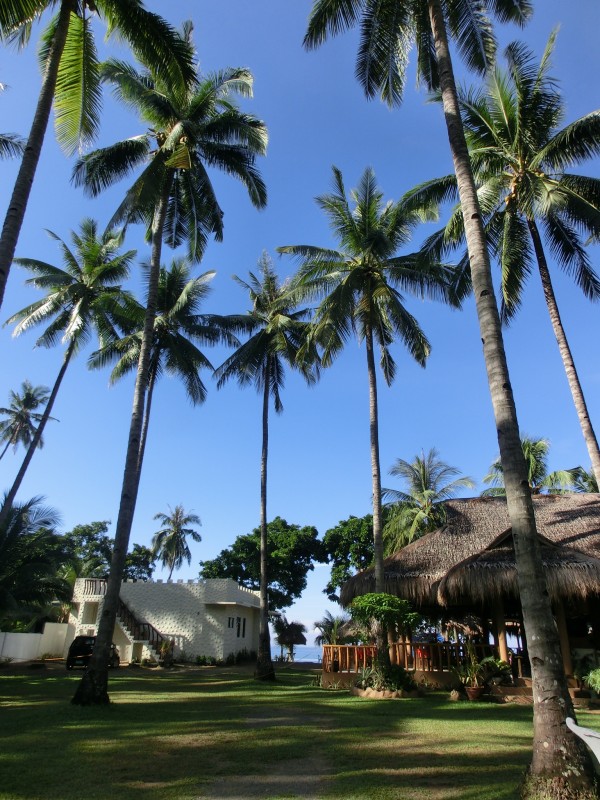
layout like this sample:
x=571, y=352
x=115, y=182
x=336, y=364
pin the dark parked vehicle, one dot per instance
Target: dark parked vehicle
x=80, y=653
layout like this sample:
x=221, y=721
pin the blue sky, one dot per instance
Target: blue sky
x=207, y=458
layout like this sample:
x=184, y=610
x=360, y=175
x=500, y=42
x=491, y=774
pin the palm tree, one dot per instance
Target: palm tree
x=82, y=296
x=520, y=155
x=21, y=417
x=11, y=144
x=330, y=628
x=169, y=543
x=288, y=634
x=178, y=328
x=277, y=335
x=31, y=555
x=541, y=481
x=388, y=29
x=190, y=128
x=71, y=80
x=360, y=286
x=583, y=481
x=420, y=509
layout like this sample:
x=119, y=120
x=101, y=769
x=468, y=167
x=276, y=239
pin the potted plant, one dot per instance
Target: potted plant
x=471, y=674
x=476, y=676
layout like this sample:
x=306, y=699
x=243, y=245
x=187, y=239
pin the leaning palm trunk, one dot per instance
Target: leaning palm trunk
x=22, y=188
x=583, y=416
x=264, y=662
x=93, y=688
x=33, y=445
x=146, y=422
x=560, y=768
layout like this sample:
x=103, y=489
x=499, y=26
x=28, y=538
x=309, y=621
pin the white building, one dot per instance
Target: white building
x=212, y=618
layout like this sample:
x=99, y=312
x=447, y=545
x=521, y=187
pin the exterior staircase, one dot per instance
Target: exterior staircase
x=140, y=632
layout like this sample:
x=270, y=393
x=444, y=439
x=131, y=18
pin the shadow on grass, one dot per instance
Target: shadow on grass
x=218, y=734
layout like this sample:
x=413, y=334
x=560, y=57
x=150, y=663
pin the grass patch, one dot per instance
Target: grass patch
x=219, y=735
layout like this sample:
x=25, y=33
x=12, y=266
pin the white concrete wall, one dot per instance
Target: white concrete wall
x=29, y=646
x=201, y=617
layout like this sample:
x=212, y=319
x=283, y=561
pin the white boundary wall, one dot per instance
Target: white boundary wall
x=29, y=646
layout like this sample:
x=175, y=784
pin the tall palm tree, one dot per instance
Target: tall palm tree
x=277, y=336
x=178, y=329
x=536, y=452
x=81, y=297
x=388, y=29
x=411, y=513
x=21, y=417
x=360, y=285
x=71, y=80
x=190, y=128
x=169, y=544
x=521, y=154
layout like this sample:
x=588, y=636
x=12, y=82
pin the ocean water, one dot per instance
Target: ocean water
x=302, y=653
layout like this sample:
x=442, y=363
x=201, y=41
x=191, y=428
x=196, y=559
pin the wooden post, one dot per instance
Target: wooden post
x=563, y=635
x=500, y=632
x=391, y=640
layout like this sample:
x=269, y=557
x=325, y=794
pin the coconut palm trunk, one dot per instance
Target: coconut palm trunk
x=12, y=493
x=560, y=768
x=589, y=435
x=264, y=664
x=375, y=464
x=22, y=188
x=93, y=688
x=8, y=444
x=146, y=422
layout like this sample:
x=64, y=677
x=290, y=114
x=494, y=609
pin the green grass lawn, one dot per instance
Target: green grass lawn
x=216, y=733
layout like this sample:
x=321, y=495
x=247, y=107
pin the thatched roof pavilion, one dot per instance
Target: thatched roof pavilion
x=471, y=559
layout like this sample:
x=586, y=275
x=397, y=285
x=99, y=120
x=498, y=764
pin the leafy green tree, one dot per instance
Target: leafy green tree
x=387, y=611
x=292, y=551
x=348, y=547
x=277, y=335
x=21, y=417
x=89, y=551
x=388, y=29
x=81, y=297
x=169, y=544
x=541, y=481
x=178, y=330
x=288, y=634
x=190, y=127
x=360, y=285
x=139, y=564
x=71, y=80
x=532, y=205
x=331, y=629
x=31, y=554
x=420, y=509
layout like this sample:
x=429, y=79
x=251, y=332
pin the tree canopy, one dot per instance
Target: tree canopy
x=292, y=551
x=349, y=549
x=90, y=550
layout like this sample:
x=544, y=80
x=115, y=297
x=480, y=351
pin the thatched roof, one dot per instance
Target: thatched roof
x=472, y=558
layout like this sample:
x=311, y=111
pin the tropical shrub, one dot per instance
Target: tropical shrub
x=385, y=677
